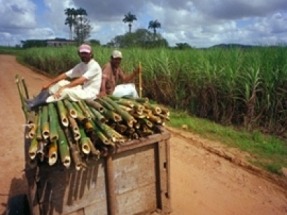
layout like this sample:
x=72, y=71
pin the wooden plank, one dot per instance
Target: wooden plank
x=164, y=135
x=164, y=176
x=110, y=182
x=135, y=177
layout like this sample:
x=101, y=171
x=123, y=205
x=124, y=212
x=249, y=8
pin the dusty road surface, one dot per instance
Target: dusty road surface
x=202, y=183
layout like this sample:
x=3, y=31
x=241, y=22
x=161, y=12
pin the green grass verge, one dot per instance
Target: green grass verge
x=268, y=152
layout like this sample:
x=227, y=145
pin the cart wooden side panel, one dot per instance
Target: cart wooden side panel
x=134, y=180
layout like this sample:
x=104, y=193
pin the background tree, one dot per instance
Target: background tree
x=129, y=18
x=140, y=38
x=95, y=42
x=82, y=30
x=154, y=24
x=70, y=20
x=182, y=46
x=33, y=43
x=81, y=14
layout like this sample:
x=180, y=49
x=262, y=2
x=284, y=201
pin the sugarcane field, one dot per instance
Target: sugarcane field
x=119, y=155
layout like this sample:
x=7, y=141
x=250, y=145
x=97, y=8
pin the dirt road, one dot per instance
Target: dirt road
x=202, y=183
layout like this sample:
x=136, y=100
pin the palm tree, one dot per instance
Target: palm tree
x=70, y=20
x=129, y=18
x=81, y=23
x=154, y=24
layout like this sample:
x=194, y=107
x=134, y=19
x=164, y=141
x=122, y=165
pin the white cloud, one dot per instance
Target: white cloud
x=17, y=14
x=201, y=23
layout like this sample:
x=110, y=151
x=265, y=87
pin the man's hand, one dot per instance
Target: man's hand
x=58, y=94
x=137, y=71
x=46, y=86
x=101, y=94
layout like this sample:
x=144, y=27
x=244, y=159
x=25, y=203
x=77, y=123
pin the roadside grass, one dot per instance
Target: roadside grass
x=268, y=152
x=10, y=50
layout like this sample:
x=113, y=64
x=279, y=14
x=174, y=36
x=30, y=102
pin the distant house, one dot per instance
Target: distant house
x=57, y=42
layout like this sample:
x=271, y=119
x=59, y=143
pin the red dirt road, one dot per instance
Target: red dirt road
x=202, y=183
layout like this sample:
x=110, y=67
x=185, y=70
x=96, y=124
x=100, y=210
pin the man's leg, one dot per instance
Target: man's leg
x=125, y=90
x=40, y=99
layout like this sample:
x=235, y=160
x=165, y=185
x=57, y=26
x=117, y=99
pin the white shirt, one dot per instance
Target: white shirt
x=92, y=72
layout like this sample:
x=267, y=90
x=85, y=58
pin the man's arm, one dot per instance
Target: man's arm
x=55, y=80
x=129, y=77
x=75, y=82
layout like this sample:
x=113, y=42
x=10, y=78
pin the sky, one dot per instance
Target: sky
x=200, y=23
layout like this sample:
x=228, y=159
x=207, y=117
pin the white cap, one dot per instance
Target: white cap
x=85, y=48
x=117, y=54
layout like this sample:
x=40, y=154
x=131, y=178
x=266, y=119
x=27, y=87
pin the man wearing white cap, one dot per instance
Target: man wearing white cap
x=113, y=75
x=85, y=81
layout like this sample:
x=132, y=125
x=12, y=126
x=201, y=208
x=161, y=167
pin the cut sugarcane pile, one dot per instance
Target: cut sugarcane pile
x=68, y=132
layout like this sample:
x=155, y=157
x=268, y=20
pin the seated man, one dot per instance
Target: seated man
x=113, y=75
x=85, y=84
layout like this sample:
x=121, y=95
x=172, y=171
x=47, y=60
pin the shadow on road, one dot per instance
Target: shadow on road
x=17, y=202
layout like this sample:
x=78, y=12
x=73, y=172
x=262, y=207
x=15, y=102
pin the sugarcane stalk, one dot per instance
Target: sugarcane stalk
x=85, y=146
x=142, y=100
x=25, y=88
x=126, y=108
x=154, y=119
x=39, y=123
x=109, y=114
x=74, y=149
x=98, y=116
x=88, y=125
x=147, y=130
x=121, y=128
x=75, y=128
x=165, y=111
x=148, y=123
x=53, y=122
x=154, y=108
x=125, y=115
x=71, y=110
x=30, y=119
x=117, y=137
x=32, y=131
x=52, y=154
x=62, y=112
x=22, y=99
x=33, y=148
x=41, y=148
x=140, y=79
x=80, y=114
x=102, y=136
x=105, y=130
x=96, y=105
x=64, y=148
x=105, y=103
x=84, y=110
x=138, y=116
x=44, y=122
x=163, y=117
x=94, y=150
x=124, y=102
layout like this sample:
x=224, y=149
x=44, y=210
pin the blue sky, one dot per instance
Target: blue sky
x=200, y=23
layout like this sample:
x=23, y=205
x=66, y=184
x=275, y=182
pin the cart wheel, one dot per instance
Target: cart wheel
x=18, y=205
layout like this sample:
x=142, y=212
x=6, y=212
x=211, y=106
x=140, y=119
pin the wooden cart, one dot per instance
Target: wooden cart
x=133, y=180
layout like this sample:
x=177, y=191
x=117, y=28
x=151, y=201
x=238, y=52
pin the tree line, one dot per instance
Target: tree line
x=79, y=25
